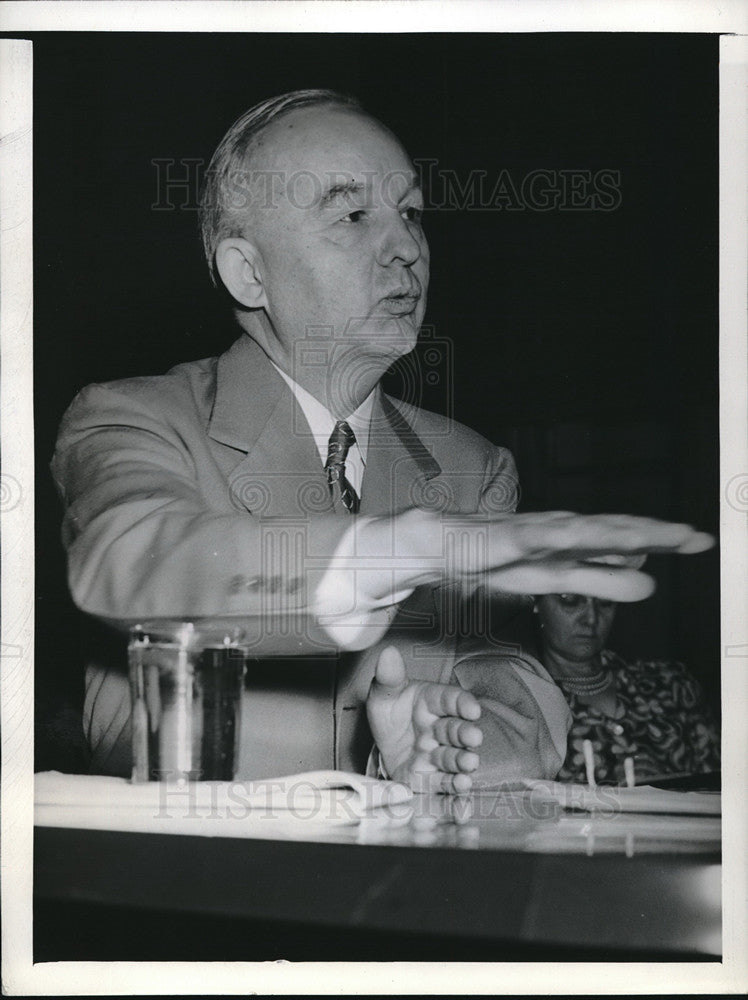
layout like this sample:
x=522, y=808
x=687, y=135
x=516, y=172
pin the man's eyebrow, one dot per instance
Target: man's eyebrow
x=344, y=188
x=353, y=187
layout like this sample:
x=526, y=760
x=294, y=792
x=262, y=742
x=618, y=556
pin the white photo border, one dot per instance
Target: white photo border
x=20, y=976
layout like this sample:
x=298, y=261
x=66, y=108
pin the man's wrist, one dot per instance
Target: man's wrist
x=407, y=546
x=377, y=564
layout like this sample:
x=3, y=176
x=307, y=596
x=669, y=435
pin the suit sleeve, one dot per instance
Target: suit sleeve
x=500, y=488
x=525, y=718
x=146, y=538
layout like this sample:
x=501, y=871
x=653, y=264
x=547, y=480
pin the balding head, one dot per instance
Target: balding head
x=230, y=189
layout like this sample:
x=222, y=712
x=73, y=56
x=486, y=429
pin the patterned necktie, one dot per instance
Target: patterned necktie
x=341, y=439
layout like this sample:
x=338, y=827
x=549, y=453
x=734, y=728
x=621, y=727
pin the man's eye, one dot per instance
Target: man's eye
x=570, y=600
x=413, y=214
x=355, y=216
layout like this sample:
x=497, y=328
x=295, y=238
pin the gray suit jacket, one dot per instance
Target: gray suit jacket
x=200, y=493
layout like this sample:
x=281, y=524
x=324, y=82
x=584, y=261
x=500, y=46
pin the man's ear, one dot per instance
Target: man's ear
x=239, y=264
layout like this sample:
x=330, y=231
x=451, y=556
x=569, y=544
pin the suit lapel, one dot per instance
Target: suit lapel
x=255, y=412
x=397, y=462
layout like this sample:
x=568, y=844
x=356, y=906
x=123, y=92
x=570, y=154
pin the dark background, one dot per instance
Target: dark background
x=586, y=341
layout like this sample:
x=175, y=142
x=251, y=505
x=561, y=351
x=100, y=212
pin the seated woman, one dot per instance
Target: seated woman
x=650, y=711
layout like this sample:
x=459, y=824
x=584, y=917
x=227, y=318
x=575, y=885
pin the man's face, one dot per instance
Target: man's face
x=343, y=256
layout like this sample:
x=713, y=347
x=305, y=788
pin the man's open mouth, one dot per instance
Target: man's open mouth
x=400, y=304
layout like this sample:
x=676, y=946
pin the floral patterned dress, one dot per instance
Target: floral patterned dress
x=662, y=724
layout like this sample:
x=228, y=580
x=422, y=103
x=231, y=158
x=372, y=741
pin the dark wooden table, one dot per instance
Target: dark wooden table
x=109, y=895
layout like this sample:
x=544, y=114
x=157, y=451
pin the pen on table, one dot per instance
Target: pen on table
x=628, y=770
x=629, y=844
x=589, y=763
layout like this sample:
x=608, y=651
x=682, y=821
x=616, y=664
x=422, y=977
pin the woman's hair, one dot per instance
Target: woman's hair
x=219, y=216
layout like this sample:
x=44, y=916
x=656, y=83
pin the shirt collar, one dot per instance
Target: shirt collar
x=321, y=421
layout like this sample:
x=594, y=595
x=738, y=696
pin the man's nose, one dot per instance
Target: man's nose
x=590, y=612
x=398, y=242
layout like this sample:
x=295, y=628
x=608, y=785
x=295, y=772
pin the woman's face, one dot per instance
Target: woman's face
x=574, y=626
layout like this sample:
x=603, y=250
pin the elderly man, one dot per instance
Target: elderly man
x=278, y=485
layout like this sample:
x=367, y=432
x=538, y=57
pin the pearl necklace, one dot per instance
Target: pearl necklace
x=587, y=686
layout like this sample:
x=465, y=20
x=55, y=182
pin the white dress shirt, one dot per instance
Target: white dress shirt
x=322, y=422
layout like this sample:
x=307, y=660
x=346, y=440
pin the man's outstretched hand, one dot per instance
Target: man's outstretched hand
x=540, y=553
x=559, y=552
x=425, y=732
